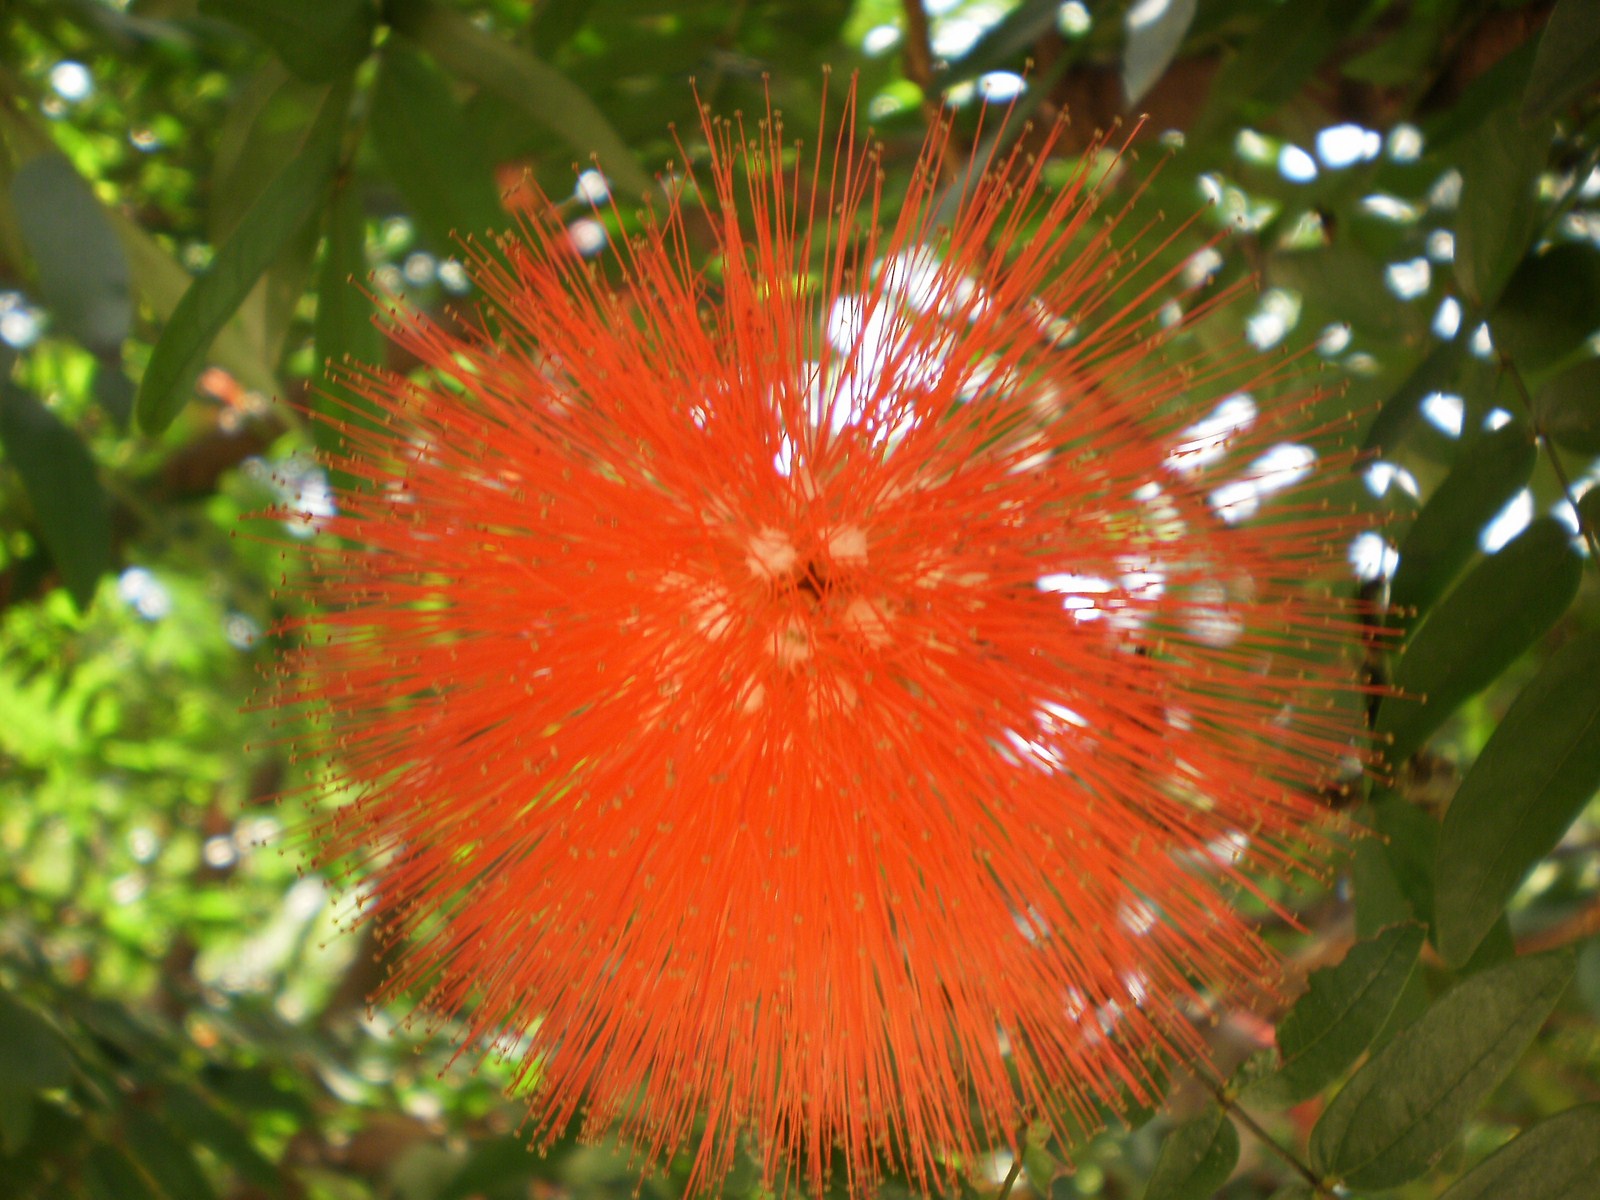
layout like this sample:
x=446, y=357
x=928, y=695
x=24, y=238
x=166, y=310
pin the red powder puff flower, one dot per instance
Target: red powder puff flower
x=821, y=697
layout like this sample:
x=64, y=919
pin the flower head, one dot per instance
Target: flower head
x=823, y=697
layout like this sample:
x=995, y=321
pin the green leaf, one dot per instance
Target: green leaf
x=33, y=1052
x=1402, y=407
x=33, y=1057
x=1196, y=1158
x=161, y=282
x=1488, y=473
x=167, y=1160
x=264, y=128
x=109, y=1174
x=1556, y=1159
x=83, y=272
x=218, y=1132
x=1495, y=613
x=1152, y=43
x=1589, y=509
x=319, y=40
x=1408, y=839
x=63, y=483
x=543, y=94
x=1567, y=408
x=1274, y=60
x=1550, y=307
x=272, y=222
x=1343, y=1010
x=1411, y=1098
x=430, y=152
x=344, y=330
x=1533, y=778
x=1500, y=165
x=1567, y=61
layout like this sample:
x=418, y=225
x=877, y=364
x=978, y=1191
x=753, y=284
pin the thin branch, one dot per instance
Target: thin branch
x=1231, y=1107
x=1010, y=1181
x=1584, y=528
x=918, y=57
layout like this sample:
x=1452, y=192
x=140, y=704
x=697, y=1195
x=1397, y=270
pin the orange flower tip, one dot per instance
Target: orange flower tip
x=821, y=701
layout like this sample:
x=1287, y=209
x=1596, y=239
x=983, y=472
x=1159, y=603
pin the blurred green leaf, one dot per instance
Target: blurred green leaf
x=167, y=1160
x=1556, y=1159
x=1567, y=61
x=344, y=331
x=1589, y=509
x=83, y=272
x=1196, y=1158
x=33, y=1052
x=214, y=1129
x=1003, y=42
x=1274, y=59
x=1402, y=407
x=1152, y=43
x=1533, y=778
x=33, y=1057
x=1550, y=307
x=281, y=213
x=1488, y=473
x=1567, y=408
x=63, y=483
x=539, y=90
x=432, y=154
x=1344, y=1008
x=319, y=40
x=264, y=128
x=108, y=1174
x=161, y=282
x=1499, y=210
x=1481, y=627
x=1409, y=1101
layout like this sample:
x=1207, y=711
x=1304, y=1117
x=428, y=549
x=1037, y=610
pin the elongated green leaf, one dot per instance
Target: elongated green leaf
x=1589, y=509
x=1410, y=843
x=538, y=89
x=344, y=330
x=59, y=474
x=1494, y=614
x=264, y=129
x=1567, y=61
x=1152, y=43
x=1557, y=1159
x=1402, y=407
x=1409, y=1101
x=33, y=1057
x=212, y=1128
x=161, y=282
x=1568, y=408
x=83, y=273
x=319, y=40
x=1550, y=307
x=108, y=1174
x=274, y=219
x=1487, y=474
x=430, y=152
x=1499, y=204
x=33, y=1053
x=1343, y=1009
x=1533, y=778
x=168, y=1160
x=1196, y=1159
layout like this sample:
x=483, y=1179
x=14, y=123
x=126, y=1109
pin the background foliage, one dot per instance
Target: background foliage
x=186, y=188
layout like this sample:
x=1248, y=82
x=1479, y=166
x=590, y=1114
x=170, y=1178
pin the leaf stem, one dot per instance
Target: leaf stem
x=1584, y=528
x=1232, y=1108
x=1010, y=1181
